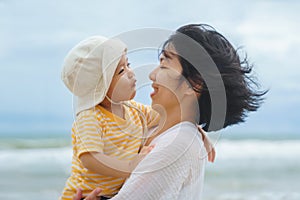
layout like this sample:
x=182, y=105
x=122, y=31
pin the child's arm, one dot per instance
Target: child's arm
x=110, y=166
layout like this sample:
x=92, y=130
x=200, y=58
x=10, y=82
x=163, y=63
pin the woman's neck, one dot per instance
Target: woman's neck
x=172, y=117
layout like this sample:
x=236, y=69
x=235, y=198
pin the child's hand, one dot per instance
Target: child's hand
x=139, y=157
x=210, y=149
x=91, y=196
x=146, y=149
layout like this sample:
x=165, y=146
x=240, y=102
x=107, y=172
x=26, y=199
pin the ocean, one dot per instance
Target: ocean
x=256, y=168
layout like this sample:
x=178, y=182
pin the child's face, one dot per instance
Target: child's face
x=122, y=87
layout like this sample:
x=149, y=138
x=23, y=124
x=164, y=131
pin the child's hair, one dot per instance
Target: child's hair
x=241, y=96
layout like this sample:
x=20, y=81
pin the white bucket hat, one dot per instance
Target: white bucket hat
x=88, y=69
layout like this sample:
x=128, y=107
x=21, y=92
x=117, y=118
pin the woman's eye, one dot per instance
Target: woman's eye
x=128, y=64
x=163, y=67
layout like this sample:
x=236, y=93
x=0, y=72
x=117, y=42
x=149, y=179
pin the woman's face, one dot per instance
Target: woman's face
x=122, y=87
x=167, y=80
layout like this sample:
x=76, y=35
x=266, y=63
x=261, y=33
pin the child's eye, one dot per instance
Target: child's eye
x=128, y=64
x=121, y=71
x=162, y=67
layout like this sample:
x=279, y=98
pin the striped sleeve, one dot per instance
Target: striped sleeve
x=87, y=133
x=152, y=117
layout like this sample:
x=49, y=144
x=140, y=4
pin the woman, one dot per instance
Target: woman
x=200, y=80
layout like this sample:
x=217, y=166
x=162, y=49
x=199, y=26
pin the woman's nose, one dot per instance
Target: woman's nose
x=152, y=75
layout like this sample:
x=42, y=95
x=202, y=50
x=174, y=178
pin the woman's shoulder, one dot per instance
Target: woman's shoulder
x=181, y=135
x=177, y=146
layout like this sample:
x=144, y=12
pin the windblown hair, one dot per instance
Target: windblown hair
x=241, y=91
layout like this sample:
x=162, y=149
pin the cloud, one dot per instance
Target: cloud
x=270, y=34
x=276, y=36
x=36, y=35
x=272, y=28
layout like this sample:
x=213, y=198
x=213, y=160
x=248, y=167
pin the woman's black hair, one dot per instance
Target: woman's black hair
x=241, y=95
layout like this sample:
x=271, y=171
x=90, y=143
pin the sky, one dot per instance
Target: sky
x=36, y=35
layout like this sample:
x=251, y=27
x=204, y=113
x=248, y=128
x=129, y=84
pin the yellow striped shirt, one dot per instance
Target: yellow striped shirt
x=98, y=130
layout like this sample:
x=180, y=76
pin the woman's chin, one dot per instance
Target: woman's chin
x=158, y=108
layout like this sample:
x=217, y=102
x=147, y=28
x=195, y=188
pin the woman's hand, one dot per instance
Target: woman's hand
x=210, y=149
x=91, y=196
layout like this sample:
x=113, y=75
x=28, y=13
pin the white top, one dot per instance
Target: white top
x=174, y=169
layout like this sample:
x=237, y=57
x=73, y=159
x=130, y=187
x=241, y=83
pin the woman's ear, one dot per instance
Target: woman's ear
x=189, y=91
x=193, y=90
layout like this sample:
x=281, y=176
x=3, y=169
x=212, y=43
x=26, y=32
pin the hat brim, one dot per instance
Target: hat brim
x=97, y=95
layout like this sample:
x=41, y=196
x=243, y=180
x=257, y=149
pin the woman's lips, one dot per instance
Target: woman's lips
x=155, y=87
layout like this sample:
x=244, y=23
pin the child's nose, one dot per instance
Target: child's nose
x=130, y=73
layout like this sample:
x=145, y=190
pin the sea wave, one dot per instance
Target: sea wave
x=284, y=149
x=42, y=160
x=273, y=195
x=226, y=150
x=258, y=167
x=29, y=143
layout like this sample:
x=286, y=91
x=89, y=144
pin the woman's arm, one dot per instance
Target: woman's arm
x=149, y=183
x=162, y=174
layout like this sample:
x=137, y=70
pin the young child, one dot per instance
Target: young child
x=108, y=130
